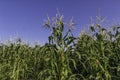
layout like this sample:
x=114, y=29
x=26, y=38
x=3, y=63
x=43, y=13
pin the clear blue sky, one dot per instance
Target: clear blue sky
x=26, y=17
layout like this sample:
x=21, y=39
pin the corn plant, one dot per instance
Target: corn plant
x=96, y=51
x=59, y=52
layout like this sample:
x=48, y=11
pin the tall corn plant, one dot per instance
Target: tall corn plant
x=58, y=52
x=96, y=51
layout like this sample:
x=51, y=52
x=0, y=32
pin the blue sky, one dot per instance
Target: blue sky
x=26, y=17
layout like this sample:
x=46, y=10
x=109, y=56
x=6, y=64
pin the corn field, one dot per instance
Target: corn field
x=93, y=56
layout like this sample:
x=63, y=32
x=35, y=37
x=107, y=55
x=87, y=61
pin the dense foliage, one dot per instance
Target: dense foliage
x=94, y=56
